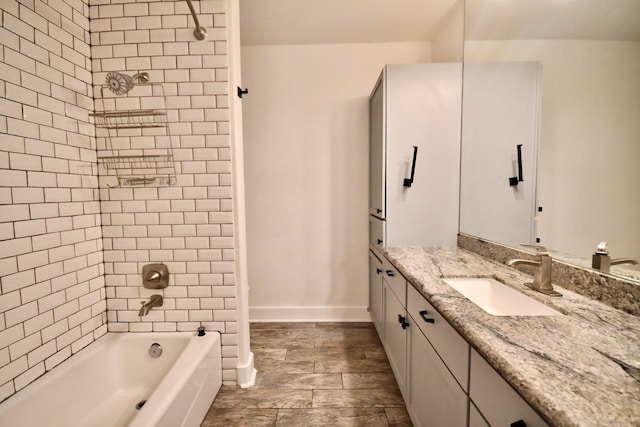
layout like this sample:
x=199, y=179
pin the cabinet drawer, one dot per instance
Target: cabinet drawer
x=396, y=281
x=449, y=345
x=376, y=232
x=500, y=404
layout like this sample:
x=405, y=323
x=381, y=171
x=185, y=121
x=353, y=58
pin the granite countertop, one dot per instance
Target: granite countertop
x=578, y=369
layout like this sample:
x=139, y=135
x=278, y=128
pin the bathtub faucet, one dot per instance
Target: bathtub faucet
x=154, y=301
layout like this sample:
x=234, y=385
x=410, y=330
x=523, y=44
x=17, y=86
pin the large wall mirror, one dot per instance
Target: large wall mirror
x=561, y=79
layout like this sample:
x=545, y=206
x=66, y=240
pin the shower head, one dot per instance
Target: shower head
x=120, y=83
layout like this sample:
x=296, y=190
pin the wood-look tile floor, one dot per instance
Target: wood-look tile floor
x=314, y=374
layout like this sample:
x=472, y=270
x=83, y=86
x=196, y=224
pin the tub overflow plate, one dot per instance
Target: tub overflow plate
x=155, y=350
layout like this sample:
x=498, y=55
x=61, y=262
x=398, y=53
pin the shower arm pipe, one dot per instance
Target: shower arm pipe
x=200, y=33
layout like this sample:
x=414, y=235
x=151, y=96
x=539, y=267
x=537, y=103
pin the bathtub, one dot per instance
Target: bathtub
x=104, y=384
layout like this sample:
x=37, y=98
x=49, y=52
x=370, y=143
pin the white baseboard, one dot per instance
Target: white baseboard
x=309, y=314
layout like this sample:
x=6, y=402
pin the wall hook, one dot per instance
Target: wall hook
x=242, y=92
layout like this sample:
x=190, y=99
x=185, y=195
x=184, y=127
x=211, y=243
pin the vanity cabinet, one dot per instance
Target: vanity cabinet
x=443, y=381
x=376, y=301
x=434, y=396
x=498, y=402
x=395, y=336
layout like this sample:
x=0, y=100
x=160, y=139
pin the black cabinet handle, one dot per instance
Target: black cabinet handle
x=390, y=273
x=378, y=270
x=403, y=321
x=519, y=423
x=423, y=314
x=408, y=181
x=514, y=180
x=379, y=241
x=378, y=210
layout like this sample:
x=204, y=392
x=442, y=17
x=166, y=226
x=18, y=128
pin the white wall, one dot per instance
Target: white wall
x=590, y=141
x=306, y=170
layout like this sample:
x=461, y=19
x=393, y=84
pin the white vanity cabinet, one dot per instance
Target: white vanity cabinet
x=443, y=381
x=376, y=300
x=438, y=370
x=395, y=326
x=434, y=396
x=498, y=402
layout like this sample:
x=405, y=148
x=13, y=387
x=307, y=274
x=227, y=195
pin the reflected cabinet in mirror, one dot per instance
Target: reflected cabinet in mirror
x=551, y=126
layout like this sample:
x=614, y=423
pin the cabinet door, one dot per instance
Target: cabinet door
x=395, y=337
x=500, y=404
x=435, y=398
x=376, y=151
x=422, y=109
x=375, y=293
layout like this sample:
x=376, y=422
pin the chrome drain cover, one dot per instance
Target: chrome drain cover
x=140, y=404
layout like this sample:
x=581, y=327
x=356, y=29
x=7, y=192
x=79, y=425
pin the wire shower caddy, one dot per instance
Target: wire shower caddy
x=132, y=167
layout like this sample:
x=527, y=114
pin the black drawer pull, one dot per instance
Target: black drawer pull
x=378, y=210
x=403, y=321
x=519, y=423
x=390, y=273
x=379, y=241
x=423, y=314
x=378, y=270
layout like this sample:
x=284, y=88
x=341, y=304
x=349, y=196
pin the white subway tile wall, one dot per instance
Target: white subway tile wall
x=188, y=226
x=71, y=247
x=52, y=287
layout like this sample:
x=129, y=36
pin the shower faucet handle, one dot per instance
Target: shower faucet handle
x=155, y=276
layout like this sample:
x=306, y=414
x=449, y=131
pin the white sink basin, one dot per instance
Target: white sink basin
x=498, y=299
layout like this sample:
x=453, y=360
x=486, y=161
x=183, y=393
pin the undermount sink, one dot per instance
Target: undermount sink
x=498, y=299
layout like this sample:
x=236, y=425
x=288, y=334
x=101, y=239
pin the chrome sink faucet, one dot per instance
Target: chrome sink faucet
x=542, y=275
x=154, y=301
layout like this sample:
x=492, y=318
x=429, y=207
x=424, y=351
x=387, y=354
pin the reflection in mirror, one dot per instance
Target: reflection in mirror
x=588, y=175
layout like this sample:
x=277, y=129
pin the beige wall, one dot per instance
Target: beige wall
x=306, y=169
x=589, y=147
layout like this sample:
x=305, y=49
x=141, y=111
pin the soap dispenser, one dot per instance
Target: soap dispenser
x=601, y=259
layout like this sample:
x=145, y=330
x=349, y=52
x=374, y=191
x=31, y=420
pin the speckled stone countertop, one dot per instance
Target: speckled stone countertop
x=578, y=369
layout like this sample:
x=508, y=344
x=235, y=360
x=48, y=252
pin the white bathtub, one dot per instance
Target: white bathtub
x=101, y=385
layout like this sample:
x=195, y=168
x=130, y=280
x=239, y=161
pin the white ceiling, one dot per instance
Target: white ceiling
x=368, y=21
x=341, y=21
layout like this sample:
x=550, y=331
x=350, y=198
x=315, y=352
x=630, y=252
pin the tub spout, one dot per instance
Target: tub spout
x=154, y=301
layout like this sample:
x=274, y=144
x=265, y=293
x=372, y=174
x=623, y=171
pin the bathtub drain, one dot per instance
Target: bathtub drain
x=140, y=404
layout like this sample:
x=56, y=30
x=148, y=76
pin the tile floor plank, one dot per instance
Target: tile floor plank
x=348, y=417
x=263, y=398
x=369, y=380
x=224, y=417
x=352, y=366
x=298, y=381
x=358, y=398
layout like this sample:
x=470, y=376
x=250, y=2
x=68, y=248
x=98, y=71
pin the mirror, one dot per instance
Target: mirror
x=586, y=126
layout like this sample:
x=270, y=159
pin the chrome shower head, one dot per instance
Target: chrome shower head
x=121, y=84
